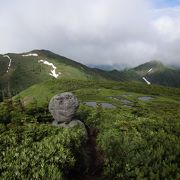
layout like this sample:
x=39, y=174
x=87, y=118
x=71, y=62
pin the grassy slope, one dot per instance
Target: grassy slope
x=166, y=77
x=160, y=74
x=144, y=68
x=44, y=91
x=26, y=71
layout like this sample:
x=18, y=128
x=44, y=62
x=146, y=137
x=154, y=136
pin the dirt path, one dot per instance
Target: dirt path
x=96, y=158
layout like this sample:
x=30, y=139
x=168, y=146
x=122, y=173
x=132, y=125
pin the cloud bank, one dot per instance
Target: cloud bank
x=92, y=31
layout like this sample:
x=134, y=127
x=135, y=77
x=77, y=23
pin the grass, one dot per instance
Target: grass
x=101, y=91
x=27, y=71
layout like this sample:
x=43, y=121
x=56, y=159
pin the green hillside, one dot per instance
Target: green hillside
x=156, y=66
x=44, y=91
x=159, y=74
x=28, y=70
x=135, y=137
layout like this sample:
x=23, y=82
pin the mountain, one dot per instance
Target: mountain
x=153, y=72
x=158, y=73
x=20, y=71
x=149, y=67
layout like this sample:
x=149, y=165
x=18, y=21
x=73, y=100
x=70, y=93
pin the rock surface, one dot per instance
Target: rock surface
x=63, y=107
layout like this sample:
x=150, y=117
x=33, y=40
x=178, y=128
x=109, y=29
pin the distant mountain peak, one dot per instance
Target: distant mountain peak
x=155, y=63
x=152, y=66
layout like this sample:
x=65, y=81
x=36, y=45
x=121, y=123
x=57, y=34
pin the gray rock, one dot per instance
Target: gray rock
x=63, y=107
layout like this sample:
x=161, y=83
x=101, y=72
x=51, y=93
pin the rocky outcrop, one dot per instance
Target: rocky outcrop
x=63, y=108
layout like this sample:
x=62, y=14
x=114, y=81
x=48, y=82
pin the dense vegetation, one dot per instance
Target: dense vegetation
x=136, y=147
x=33, y=149
x=135, y=141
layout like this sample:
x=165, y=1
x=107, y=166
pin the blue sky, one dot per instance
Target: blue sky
x=166, y=3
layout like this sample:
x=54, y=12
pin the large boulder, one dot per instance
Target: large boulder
x=63, y=107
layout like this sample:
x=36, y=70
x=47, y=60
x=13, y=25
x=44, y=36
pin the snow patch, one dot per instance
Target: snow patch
x=53, y=71
x=31, y=54
x=150, y=70
x=10, y=61
x=146, y=81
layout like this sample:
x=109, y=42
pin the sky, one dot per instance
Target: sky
x=94, y=31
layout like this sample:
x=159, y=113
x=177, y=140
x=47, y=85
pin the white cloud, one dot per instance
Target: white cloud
x=92, y=31
x=168, y=28
x=167, y=23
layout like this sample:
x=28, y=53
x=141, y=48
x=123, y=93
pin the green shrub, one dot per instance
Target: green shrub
x=139, y=148
x=39, y=151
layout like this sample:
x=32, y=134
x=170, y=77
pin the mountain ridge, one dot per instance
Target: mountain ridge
x=37, y=66
x=155, y=71
x=19, y=71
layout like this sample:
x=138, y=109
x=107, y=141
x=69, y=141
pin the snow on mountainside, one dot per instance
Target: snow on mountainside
x=20, y=71
x=146, y=81
x=53, y=71
x=30, y=54
x=37, y=66
x=150, y=70
x=10, y=61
